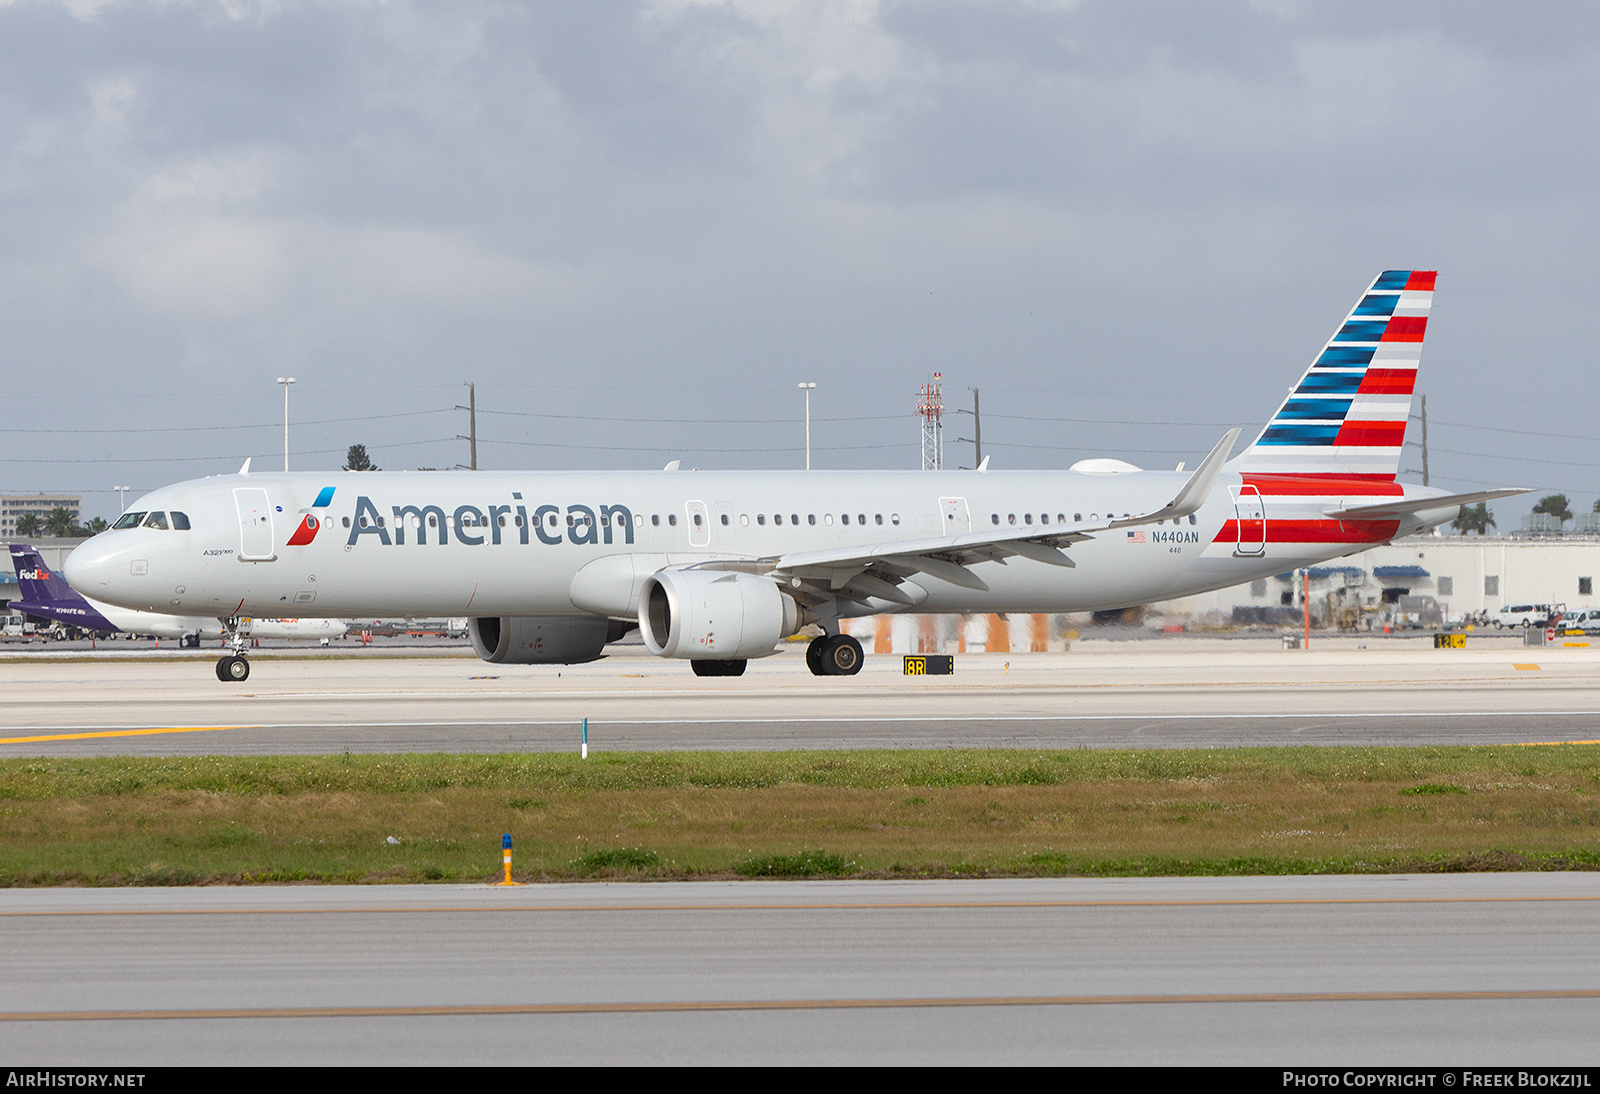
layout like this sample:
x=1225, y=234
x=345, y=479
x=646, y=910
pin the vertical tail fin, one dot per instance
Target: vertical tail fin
x=1347, y=416
x=37, y=582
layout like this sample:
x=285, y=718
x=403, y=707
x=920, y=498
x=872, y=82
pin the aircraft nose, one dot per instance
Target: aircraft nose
x=88, y=568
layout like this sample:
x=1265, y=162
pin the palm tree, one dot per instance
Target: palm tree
x=59, y=522
x=28, y=525
x=1474, y=518
x=96, y=526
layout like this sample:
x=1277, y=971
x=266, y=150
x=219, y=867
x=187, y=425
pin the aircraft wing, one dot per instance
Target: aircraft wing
x=947, y=557
x=1401, y=506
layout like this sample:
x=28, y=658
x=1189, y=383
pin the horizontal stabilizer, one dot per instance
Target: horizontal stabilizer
x=1402, y=506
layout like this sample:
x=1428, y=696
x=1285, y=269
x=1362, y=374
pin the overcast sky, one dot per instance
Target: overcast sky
x=637, y=226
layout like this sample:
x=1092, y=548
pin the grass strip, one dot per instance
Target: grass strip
x=1155, y=812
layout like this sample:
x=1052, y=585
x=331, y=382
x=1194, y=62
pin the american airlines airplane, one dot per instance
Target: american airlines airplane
x=716, y=567
x=47, y=595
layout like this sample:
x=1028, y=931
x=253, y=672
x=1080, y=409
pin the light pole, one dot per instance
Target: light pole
x=122, y=498
x=807, y=389
x=286, y=381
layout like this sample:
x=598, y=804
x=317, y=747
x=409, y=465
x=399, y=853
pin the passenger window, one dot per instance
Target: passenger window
x=672, y=519
x=1011, y=517
x=1191, y=518
x=1076, y=517
x=130, y=520
x=861, y=518
x=827, y=518
x=346, y=521
x=777, y=518
x=744, y=519
x=761, y=518
x=697, y=520
x=995, y=517
x=894, y=518
x=156, y=520
x=811, y=518
x=1027, y=518
x=845, y=517
x=877, y=518
x=433, y=520
x=180, y=521
x=655, y=520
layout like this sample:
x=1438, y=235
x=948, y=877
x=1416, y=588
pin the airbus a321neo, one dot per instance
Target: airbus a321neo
x=718, y=567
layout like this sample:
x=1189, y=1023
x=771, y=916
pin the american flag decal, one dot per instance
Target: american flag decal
x=1135, y=537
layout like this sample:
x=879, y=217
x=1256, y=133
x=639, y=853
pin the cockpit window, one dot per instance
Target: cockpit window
x=129, y=520
x=157, y=519
x=180, y=521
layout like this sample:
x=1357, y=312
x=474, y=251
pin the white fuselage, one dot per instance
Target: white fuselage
x=519, y=543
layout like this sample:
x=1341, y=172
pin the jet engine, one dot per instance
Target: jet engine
x=542, y=640
x=715, y=614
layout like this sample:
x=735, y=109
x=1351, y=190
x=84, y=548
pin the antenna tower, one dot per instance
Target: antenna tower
x=930, y=408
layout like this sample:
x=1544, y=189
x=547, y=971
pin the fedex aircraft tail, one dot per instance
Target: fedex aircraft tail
x=37, y=582
x=46, y=594
x=1347, y=416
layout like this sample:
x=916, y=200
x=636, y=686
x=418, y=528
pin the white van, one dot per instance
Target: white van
x=1525, y=615
x=1579, y=621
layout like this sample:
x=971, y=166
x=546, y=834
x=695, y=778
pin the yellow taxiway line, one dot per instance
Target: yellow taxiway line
x=116, y=733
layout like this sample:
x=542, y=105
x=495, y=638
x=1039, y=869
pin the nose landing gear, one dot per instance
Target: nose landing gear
x=233, y=668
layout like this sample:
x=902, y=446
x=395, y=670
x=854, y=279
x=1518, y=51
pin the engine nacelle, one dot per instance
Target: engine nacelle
x=542, y=640
x=715, y=614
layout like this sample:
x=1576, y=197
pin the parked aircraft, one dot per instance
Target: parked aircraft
x=47, y=595
x=717, y=567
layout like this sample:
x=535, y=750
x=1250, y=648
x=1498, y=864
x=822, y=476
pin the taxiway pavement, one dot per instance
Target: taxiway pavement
x=1145, y=694
x=1464, y=970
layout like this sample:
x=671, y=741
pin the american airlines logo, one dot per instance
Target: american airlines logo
x=468, y=524
x=309, y=522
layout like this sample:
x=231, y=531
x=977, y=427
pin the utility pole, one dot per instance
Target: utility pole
x=1424, y=400
x=472, y=422
x=807, y=388
x=286, y=381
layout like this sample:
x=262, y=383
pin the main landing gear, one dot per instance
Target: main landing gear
x=834, y=655
x=718, y=668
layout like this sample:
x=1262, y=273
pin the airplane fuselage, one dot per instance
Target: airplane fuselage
x=570, y=543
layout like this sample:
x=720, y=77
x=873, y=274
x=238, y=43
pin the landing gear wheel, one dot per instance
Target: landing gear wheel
x=233, y=669
x=839, y=655
x=729, y=667
x=814, y=656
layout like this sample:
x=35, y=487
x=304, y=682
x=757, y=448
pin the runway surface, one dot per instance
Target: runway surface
x=1131, y=694
x=1454, y=970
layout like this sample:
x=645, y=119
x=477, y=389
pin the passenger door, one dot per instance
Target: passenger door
x=255, y=524
x=1252, y=518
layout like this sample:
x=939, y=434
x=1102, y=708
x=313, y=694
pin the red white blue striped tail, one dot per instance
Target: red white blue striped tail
x=1347, y=416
